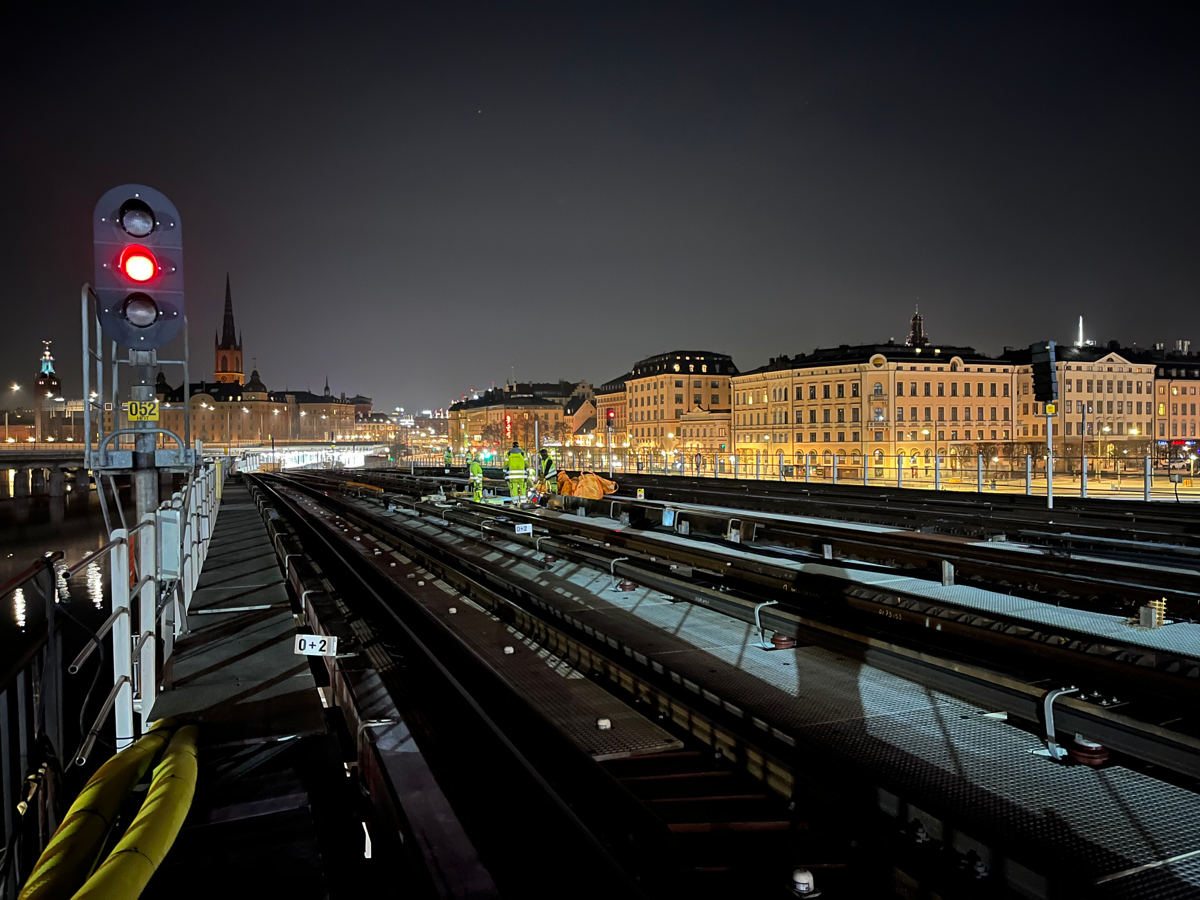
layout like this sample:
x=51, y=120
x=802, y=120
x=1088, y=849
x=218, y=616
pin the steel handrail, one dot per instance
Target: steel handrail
x=91, y=557
x=104, y=629
x=28, y=574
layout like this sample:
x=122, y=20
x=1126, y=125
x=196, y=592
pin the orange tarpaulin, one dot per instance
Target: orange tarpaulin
x=589, y=485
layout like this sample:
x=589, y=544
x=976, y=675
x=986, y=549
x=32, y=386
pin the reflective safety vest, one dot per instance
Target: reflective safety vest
x=476, y=470
x=549, y=467
x=514, y=465
x=449, y=457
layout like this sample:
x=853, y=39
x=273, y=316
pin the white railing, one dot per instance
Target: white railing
x=168, y=570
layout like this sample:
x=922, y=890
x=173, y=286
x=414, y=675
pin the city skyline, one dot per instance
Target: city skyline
x=392, y=186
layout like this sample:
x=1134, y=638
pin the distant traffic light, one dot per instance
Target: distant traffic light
x=1045, y=372
x=612, y=416
x=137, y=242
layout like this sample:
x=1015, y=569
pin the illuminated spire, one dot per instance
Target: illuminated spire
x=47, y=359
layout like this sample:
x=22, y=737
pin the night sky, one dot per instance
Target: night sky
x=422, y=200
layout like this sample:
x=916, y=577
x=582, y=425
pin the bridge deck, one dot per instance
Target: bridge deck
x=270, y=808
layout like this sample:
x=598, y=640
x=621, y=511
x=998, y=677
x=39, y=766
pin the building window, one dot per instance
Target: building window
x=841, y=391
x=812, y=392
x=854, y=389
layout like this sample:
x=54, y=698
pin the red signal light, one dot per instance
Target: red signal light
x=138, y=263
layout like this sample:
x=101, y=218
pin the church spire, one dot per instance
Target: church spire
x=227, y=366
x=229, y=337
x=916, y=335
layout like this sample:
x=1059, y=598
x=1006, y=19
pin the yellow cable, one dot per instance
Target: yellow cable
x=127, y=870
x=71, y=854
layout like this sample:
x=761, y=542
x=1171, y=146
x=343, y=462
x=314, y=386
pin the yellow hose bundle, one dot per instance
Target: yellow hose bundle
x=127, y=870
x=71, y=854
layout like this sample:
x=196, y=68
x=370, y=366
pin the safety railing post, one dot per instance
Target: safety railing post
x=1147, y=480
x=979, y=472
x=899, y=471
x=937, y=471
x=1083, y=478
x=835, y=467
x=757, y=465
x=807, y=468
x=1028, y=475
x=148, y=622
x=122, y=644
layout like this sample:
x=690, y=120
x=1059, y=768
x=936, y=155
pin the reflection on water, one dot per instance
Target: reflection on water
x=30, y=527
x=95, y=583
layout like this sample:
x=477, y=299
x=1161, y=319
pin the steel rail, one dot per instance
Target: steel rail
x=605, y=875
x=984, y=688
x=987, y=687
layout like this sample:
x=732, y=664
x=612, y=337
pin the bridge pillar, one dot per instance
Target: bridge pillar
x=58, y=482
x=39, y=481
x=21, y=483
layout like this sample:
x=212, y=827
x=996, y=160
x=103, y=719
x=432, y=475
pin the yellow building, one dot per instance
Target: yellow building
x=659, y=390
x=1105, y=405
x=704, y=440
x=1177, y=395
x=873, y=403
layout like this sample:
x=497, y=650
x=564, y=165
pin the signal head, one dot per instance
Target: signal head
x=137, y=242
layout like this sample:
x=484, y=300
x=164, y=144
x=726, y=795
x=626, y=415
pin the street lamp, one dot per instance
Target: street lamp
x=15, y=388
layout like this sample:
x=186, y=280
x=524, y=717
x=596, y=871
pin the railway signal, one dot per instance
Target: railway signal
x=137, y=242
x=1045, y=373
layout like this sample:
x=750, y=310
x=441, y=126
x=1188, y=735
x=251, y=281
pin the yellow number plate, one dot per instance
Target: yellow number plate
x=143, y=411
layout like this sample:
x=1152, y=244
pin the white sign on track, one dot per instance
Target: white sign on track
x=316, y=645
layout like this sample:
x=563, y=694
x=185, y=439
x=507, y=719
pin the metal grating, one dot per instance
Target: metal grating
x=977, y=771
x=1171, y=881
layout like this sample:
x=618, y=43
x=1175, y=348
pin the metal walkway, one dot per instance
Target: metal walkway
x=274, y=809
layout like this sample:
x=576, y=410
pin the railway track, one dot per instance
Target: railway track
x=953, y=662
x=681, y=822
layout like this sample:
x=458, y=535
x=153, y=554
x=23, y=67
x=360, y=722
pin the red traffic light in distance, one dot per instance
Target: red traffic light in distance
x=612, y=414
x=137, y=243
